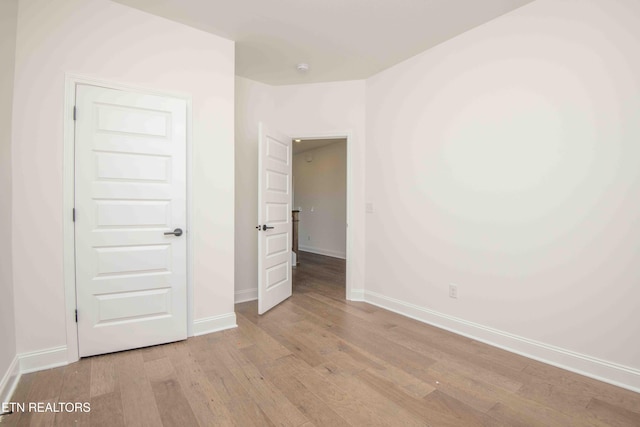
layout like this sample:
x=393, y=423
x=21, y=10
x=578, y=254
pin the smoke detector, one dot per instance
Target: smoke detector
x=302, y=67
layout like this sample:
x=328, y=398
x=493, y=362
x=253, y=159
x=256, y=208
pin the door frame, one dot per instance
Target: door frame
x=348, y=135
x=69, y=260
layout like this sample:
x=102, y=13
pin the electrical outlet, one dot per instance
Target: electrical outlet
x=453, y=291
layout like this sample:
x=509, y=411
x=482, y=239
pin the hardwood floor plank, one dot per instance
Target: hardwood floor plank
x=449, y=411
x=525, y=415
x=139, y=406
x=243, y=409
x=172, y=404
x=46, y=385
x=152, y=353
x=554, y=396
x=354, y=411
x=252, y=334
x=76, y=388
x=345, y=375
x=206, y=403
x=106, y=410
x=103, y=374
x=286, y=365
x=45, y=388
x=448, y=358
x=579, y=384
x=396, y=394
x=40, y=418
x=612, y=415
x=272, y=401
x=295, y=345
x=470, y=390
x=367, y=339
x=324, y=343
x=318, y=412
x=345, y=362
x=443, y=344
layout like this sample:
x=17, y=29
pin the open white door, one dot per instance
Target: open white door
x=130, y=213
x=274, y=217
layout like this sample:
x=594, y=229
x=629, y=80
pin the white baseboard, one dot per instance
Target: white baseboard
x=54, y=357
x=325, y=252
x=214, y=324
x=612, y=373
x=43, y=359
x=10, y=380
x=246, y=295
x=356, y=295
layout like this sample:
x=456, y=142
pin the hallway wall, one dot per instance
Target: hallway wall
x=320, y=193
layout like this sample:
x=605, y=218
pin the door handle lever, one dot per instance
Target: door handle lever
x=177, y=232
x=266, y=227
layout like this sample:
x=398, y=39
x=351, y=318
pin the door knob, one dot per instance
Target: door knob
x=266, y=227
x=177, y=232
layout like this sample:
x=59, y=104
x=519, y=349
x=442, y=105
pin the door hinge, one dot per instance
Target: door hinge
x=76, y=316
x=73, y=214
x=74, y=112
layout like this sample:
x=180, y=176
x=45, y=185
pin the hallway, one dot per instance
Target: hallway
x=318, y=273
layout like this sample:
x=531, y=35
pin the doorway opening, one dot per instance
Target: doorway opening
x=320, y=205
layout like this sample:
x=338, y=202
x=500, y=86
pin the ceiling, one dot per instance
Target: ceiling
x=312, y=144
x=340, y=39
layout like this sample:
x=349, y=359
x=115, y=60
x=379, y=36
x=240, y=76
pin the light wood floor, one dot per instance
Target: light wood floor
x=319, y=360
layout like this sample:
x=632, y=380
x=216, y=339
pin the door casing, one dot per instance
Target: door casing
x=71, y=81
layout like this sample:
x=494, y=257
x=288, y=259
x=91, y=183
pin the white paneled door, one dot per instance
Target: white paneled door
x=130, y=219
x=274, y=216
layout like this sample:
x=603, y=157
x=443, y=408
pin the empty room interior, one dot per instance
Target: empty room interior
x=320, y=213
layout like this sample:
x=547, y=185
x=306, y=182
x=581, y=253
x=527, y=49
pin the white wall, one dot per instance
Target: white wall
x=320, y=193
x=8, y=17
x=314, y=109
x=254, y=103
x=296, y=110
x=506, y=161
x=106, y=40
